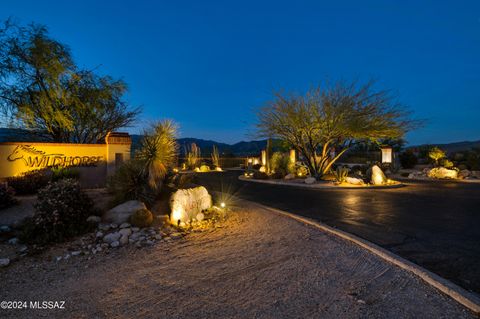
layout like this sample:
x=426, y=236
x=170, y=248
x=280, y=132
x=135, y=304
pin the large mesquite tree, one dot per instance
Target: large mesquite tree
x=333, y=117
x=42, y=89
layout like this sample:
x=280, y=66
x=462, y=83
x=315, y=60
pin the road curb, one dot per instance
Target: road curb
x=457, y=293
x=315, y=186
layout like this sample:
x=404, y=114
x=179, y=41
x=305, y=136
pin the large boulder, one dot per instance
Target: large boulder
x=442, y=172
x=120, y=214
x=377, y=177
x=309, y=180
x=186, y=204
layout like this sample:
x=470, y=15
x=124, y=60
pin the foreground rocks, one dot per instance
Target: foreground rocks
x=442, y=172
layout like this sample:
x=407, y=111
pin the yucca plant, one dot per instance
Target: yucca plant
x=192, y=154
x=215, y=157
x=158, y=151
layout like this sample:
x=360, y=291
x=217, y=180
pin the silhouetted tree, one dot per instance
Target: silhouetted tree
x=42, y=89
x=332, y=117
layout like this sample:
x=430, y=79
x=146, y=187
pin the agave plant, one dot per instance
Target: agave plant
x=158, y=151
x=340, y=174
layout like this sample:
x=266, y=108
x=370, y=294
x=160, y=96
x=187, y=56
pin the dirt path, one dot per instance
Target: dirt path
x=258, y=265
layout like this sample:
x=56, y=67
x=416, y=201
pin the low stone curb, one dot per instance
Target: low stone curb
x=438, y=180
x=457, y=293
x=316, y=186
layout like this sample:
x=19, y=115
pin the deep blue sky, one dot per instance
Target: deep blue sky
x=208, y=65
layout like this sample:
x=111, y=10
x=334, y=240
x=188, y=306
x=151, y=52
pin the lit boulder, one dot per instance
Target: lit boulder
x=378, y=177
x=354, y=181
x=310, y=180
x=186, y=204
x=442, y=172
x=121, y=214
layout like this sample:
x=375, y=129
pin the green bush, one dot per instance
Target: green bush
x=7, y=198
x=30, y=182
x=281, y=165
x=131, y=183
x=61, y=212
x=408, y=159
x=59, y=173
x=141, y=218
x=445, y=162
x=436, y=154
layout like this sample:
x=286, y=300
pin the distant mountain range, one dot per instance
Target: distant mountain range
x=238, y=149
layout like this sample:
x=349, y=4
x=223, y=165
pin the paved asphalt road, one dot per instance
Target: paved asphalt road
x=434, y=224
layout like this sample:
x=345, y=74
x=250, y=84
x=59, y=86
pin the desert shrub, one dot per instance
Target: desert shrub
x=408, y=159
x=281, y=165
x=130, y=182
x=340, y=173
x=29, y=182
x=256, y=166
x=302, y=171
x=260, y=175
x=473, y=159
x=204, y=168
x=141, y=218
x=59, y=173
x=436, y=154
x=60, y=213
x=7, y=198
x=445, y=162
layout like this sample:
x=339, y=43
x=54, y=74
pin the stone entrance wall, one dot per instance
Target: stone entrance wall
x=94, y=161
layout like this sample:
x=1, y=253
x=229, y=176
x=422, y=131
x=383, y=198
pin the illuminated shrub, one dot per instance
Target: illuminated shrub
x=141, y=218
x=62, y=210
x=6, y=197
x=436, y=154
x=281, y=165
x=59, y=173
x=445, y=162
x=302, y=171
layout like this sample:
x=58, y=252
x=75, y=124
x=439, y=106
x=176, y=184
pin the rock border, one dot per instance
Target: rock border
x=316, y=186
x=457, y=293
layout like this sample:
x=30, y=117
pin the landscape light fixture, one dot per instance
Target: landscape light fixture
x=387, y=153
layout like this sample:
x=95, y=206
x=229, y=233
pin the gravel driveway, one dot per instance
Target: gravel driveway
x=258, y=265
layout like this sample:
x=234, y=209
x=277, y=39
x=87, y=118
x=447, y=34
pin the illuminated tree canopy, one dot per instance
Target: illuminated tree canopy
x=333, y=117
x=42, y=89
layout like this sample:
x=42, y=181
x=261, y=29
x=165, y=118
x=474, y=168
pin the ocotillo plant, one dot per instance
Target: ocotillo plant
x=192, y=156
x=215, y=157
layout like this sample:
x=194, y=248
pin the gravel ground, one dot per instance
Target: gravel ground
x=257, y=265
